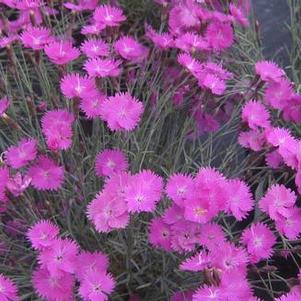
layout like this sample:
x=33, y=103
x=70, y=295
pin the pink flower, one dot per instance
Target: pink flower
x=279, y=137
x=143, y=192
x=207, y=293
x=292, y=111
x=238, y=15
x=82, y=5
x=53, y=288
x=96, y=286
x=109, y=162
x=94, y=48
x=199, y=210
x=240, y=200
x=274, y=159
x=255, y=115
x=279, y=93
x=4, y=105
x=90, y=262
x=178, y=186
x=91, y=104
x=97, y=67
x=191, y=42
x=130, y=49
x=196, y=263
x=57, y=128
x=108, y=211
x=252, y=139
x=61, y=52
x=21, y=154
x=60, y=257
x=211, y=236
x=8, y=41
x=43, y=234
x=94, y=28
x=173, y=214
x=278, y=202
x=290, y=226
x=108, y=15
x=160, y=234
x=292, y=296
x=259, y=240
x=74, y=85
x=46, y=175
x=161, y=40
x=36, y=37
x=8, y=290
x=122, y=112
x=191, y=64
x=18, y=184
x=210, y=81
x=269, y=71
x=219, y=35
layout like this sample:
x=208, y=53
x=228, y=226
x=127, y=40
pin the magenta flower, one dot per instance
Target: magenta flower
x=122, y=112
x=199, y=210
x=196, y=263
x=96, y=286
x=82, y=5
x=8, y=41
x=8, y=290
x=173, y=214
x=36, y=37
x=90, y=262
x=274, y=159
x=129, y=49
x=21, y=154
x=60, y=257
x=97, y=67
x=211, y=236
x=238, y=15
x=259, y=241
x=254, y=140
x=191, y=64
x=160, y=40
x=108, y=212
x=18, y=183
x=75, y=85
x=178, y=186
x=160, y=234
x=109, y=162
x=108, y=15
x=219, y=35
x=94, y=48
x=4, y=105
x=292, y=296
x=57, y=129
x=143, y=192
x=269, y=71
x=54, y=288
x=94, y=28
x=209, y=293
x=91, y=104
x=278, y=201
x=240, y=200
x=61, y=52
x=46, y=175
x=212, y=82
x=290, y=226
x=43, y=234
x=280, y=137
x=191, y=42
x=255, y=115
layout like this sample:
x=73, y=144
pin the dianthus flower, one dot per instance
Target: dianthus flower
x=219, y=35
x=191, y=42
x=190, y=63
x=18, y=183
x=75, y=85
x=46, y=175
x=36, y=37
x=8, y=41
x=209, y=293
x=269, y=71
x=273, y=159
x=160, y=234
x=259, y=241
x=161, y=40
x=43, y=234
x=91, y=104
x=279, y=137
x=199, y=210
x=21, y=154
x=94, y=28
x=196, y=263
x=130, y=49
x=290, y=226
x=109, y=162
x=289, y=297
x=53, y=288
x=122, y=112
x=90, y=262
x=108, y=15
x=61, y=52
x=4, y=105
x=60, y=257
x=82, y=5
x=255, y=115
x=211, y=236
x=278, y=201
x=108, y=211
x=238, y=15
x=144, y=191
x=8, y=290
x=173, y=214
x=94, y=48
x=240, y=200
x=212, y=82
x=57, y=128
x=292, y=111
x=97, y=67
x=177, y=188
x=96, y=286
